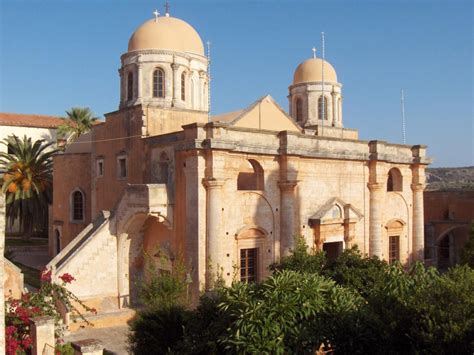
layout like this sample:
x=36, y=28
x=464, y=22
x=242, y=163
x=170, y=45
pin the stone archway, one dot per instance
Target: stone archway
x=140, y=242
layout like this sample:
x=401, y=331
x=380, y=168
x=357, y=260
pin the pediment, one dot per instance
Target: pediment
x=264, y=114
x=335, y=210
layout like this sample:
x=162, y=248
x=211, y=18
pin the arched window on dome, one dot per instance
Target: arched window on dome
x=394, y=180
x=299, y=110
x=130, y=86
x=323, y=108
x=183, y=86
x=159, y=83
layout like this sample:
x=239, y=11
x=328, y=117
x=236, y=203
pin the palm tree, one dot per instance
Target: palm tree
x=78, y=121
x=27, y=181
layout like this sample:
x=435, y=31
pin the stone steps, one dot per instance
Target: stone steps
x=104, y=320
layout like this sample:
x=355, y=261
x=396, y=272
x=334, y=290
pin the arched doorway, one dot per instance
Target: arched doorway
x=449, y=246
x=146, y=245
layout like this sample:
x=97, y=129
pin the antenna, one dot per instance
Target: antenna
x=322, y=87
x=208, y=81
x=402, y=102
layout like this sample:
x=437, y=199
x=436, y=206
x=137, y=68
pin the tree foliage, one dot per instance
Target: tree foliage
x=353, y=304
x=78, y=120
x=27, y=181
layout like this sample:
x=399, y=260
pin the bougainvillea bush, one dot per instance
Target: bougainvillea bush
x=40, y=303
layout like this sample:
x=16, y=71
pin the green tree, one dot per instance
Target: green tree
x=27, y=181
x=467, y=256
x=78, y=120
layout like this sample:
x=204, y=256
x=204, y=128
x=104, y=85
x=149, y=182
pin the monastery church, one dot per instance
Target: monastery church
x=161, y=181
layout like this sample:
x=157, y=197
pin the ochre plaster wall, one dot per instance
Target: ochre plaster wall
x=70, y=171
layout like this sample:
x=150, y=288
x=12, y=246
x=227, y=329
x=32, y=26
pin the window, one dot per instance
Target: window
x=336, y=212
x=323, y=108
x=394, y=180
x=10, y=149
x=299, y=110
x=100, y=168
x=130, y=86
x=122, y=167
x=393, y=249
x=77, y=206
x=163, y=169
x=57, y=236
x=159, y=83
x=248, y=265
x=252, y=178
x=183, y=86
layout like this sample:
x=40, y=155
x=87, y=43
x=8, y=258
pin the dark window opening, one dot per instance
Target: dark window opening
x=159, y=83
x=78, y=206
x=248, y=265
x=333, y=250
x=394, y=180
x=323, y=108
x=299, y=110
x=393, y=249
x=130, y=87
x=183, y=86
x=122, y=166
x=58, y=241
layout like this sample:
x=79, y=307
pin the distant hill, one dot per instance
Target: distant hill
x=450, y=178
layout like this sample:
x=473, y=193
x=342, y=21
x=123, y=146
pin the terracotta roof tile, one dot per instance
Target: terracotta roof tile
x=24, y=120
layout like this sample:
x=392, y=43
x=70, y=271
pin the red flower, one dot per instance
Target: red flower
x=36, y=310
x=93, y=310
x=25, y=297
x=27, y=342
x=67, y=278
x=11, y=329
x=46, y=275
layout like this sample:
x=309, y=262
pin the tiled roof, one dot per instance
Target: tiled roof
x=24, y=120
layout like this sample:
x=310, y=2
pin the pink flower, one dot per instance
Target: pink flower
x=67, y=278
x=11, y=329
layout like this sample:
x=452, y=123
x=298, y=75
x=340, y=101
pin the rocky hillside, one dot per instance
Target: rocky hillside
x=450, y=178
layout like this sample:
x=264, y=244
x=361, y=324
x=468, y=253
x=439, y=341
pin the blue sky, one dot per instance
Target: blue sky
x=59, y=54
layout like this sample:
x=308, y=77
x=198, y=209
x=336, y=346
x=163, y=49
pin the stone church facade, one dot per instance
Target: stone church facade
x=162, y=181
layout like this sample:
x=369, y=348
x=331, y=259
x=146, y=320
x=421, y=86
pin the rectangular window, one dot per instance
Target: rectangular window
x=122, y=167
x=100, y=168
x=394, y=249
x=248, y=265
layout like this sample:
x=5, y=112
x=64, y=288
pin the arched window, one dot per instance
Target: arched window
x=183, y=86
x=130, y=86
x=336, y=212
x=323, y=108
x=394, y=180
x=77, y=206
x=159, y=83
x=252, y=178
x=299, y=110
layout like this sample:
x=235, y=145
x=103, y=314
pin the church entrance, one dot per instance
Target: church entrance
x=333, y=249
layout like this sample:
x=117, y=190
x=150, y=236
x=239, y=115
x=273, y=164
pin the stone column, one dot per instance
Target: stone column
x=287, y=216
x=2, y=274
x=42, y=334
x=139, y=81
x=214, y=242
x=418, y=242
x=375, y=220
x=335, y=113
x=176, y=84
x=202, y=94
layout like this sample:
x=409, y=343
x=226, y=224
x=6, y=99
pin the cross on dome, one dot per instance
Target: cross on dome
x=156, y=13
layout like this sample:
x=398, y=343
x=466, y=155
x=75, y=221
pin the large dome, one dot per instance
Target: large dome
x=311, y=71
x=167, y=33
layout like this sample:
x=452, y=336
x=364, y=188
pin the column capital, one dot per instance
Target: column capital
x=287, y=185
x=212, y=183
x=174, y=66
x=418, y=187
x=375, y=186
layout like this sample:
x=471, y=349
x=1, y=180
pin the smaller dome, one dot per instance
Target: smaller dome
x=311, y=71
x=168, y=33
